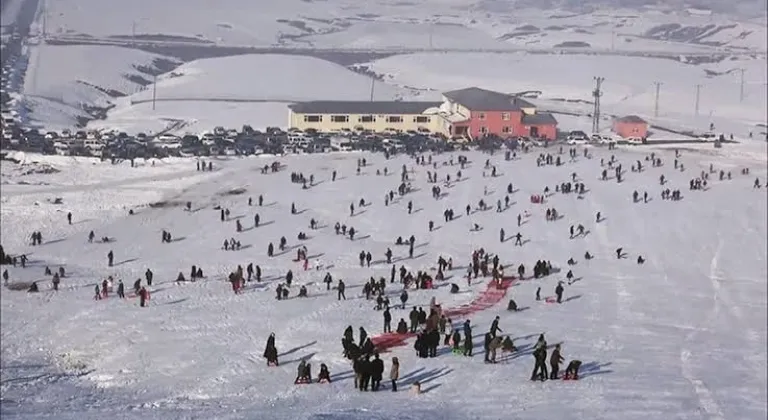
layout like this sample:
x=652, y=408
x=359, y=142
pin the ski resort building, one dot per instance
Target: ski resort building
x=330, y=116
x=630, y=126
x=468, y=113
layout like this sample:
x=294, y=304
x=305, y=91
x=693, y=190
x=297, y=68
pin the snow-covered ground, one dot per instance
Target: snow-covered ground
x=626, y=90
x=681, y=336
x=92, y=75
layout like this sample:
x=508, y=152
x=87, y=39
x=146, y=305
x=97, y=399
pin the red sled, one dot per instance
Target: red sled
x=273, y=364
x=323, y=381
x=550, y=299
x=567, y=378
x=302, y=382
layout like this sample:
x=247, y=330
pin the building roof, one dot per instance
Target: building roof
x=539, y=118
x=363, y=107
x=477, y=99
x=632, y=119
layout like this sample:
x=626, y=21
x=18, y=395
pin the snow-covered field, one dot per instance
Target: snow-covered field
x=392, y=23
x=681, y=336
x=72, y=76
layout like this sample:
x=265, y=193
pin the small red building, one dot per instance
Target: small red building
x=475, y=112
x=630, y=126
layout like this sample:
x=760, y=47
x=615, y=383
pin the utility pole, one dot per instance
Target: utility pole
x=431, y=28
x=154, y=91
x=698, y=95
x=373, y=85
x=656, y=101
x=741, y=88
x=596, y=94
x=613, y=40
x=133, y=33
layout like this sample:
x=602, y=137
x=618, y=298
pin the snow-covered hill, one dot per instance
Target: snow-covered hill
x=438, y=23
x=649, y=335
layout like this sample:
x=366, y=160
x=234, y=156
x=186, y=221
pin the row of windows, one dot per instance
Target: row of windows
x=505, y=129
x=421, y=119
x=504, y=116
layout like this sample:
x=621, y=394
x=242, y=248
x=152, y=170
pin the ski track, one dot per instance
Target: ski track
x=706, y=399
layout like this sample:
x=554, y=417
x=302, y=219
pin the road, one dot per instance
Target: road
x=190, y=50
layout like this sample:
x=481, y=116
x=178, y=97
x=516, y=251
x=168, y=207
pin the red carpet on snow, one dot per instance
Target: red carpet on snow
x=492, y=295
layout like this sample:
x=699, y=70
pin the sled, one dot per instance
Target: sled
x=566, y=378
x=274, y=364
x=460, y=352
x=323, y=381
x=302, y=382
x=550, y=299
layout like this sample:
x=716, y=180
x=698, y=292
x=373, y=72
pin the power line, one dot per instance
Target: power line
x=656, y=101
x=596, y=94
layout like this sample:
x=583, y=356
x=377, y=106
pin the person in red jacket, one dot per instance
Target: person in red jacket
x=143, y=297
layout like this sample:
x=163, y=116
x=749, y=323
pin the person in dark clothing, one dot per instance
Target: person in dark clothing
x=559, y=292
x=554, y=362
x=495, y=327
x=377, y=372
x=363, y=336
x=387, y=321
x=121, y=290
x=540, y=368
x=340, y=289
x=270, y=351
x=572, y=371
x=365, y=374
x=324, y=376
x=143, y=297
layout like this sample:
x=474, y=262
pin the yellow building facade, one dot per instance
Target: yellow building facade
x=378, y=117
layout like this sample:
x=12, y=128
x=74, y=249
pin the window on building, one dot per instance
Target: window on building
x=506, y=129
x=313, y=118
x=420, y=119
x=481, y=116
x=339, y=118
x=367, y=119
x=394, y=119
x=505, y=116
x=483, y=130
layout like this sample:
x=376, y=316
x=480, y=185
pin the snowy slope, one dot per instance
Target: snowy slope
x=95, y=76
x=264, y=76
x=216, y=92
x=648, y=334
x=625, y=89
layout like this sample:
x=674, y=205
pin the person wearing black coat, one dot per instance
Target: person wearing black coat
x=434, y=342
x=554, y=362
x=270, y=351
x=540, y=367
x=363, y=336
x=387, y=321
x=377, y=372
x=365, y=373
